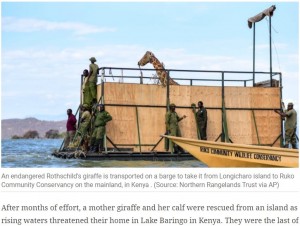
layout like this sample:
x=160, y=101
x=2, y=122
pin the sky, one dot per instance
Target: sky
x=45, y=46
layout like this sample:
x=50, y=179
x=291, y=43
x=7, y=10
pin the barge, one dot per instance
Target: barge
x=239, y=110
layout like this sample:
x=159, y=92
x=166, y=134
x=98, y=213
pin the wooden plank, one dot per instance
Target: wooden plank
x=237, y=97
x=240, y=126
x=152, y=126
x=269, y=126
x=123, y=127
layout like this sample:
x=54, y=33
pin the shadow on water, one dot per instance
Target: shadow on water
x=36, y=153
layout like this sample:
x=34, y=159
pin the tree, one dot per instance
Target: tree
x=16, y=137
x=52, y=134
x=31, y=134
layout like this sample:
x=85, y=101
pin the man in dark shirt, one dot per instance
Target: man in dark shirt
x=71, y=128
x=201, y=116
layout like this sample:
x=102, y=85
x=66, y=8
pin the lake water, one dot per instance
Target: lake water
x=36, y=153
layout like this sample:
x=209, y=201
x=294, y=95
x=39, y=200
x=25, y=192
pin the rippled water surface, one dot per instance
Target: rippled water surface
x=37, y=153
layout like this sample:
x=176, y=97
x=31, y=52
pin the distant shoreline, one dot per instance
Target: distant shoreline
x=18, y=127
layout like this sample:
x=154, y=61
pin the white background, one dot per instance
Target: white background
x=286, y=193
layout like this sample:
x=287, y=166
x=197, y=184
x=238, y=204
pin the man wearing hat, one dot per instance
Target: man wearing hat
x=92, y=79
x=290, y=125
x=172, y=127
x=101, y=118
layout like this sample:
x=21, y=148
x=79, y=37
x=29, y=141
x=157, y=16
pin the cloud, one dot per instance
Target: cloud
x=68, y=64
x=58, y=64
x=10, y=94
x=54, y=84
x=11, y=24
x=266, y=46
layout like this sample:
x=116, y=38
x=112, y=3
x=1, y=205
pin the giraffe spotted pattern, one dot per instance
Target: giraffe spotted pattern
x=159, y=67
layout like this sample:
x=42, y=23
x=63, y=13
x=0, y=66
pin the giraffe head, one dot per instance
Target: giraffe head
x=147, y=58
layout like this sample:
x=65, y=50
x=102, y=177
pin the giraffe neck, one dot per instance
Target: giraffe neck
x=161, y=72
x=156, y=64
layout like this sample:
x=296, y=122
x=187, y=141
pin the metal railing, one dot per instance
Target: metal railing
x=194, y=78
x=219, y=77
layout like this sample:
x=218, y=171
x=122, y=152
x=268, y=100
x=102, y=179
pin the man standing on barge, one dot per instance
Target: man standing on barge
x=71, y=128
x=92, y=80
x=86, y=96
x=85, y=121
x=201, y=117
x=172, y=127
x=101, y=118
x=290, y=125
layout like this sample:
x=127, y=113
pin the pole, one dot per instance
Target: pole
x=223, y=96
x=101, y=100
x=168, y=90
x=138, y=128
x=102, y=87
x=168, y=105
x=281, y=137
x=256, y=129
x=270, y=34
x=253, y=54
x=267, y=12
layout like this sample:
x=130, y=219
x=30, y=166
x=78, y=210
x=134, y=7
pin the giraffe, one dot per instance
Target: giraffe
x=160, y=69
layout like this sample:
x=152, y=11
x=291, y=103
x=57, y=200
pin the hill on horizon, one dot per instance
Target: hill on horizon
x=11, y=127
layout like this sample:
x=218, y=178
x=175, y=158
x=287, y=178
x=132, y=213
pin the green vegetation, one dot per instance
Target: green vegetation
x=53, y=134
x=15, y=137
x=33, y=134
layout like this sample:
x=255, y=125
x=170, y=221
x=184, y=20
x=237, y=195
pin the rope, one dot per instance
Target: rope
x=273, y=28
